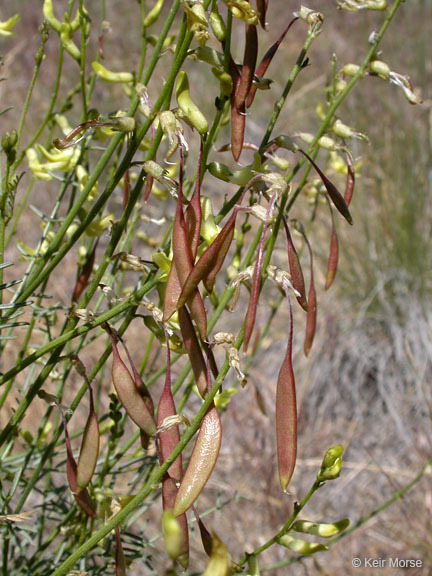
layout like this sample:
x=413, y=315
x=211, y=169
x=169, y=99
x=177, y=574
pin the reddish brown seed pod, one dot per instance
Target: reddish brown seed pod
x=248, y=67
x=262, y=9
x=84, y=276
x=89, y=448
x=335, y=196
x=193, y=214
x=120, y=562
x=82, y=497
x=194, y=351
x=350, y=180
x=266, y=61
x=128, y=393
x=286, y=413
x=238, y=114
x=201, y=463
x=333, y=255
x=297, y=278
x=206, y=538
x=311, y=317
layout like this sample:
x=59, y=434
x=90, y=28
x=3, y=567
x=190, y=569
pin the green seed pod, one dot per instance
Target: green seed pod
x=319, y=529
x=105, y=74
x=67, y=42
x=190, y=110
x=219, y=563
x=216, y=23
x=172, y=534
x=300, y=546
x=48, y=13
x=331, y=464
x=153, y=15
x=225, y=81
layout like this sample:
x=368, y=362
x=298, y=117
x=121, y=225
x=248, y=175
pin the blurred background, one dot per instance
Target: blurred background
x=367, y=381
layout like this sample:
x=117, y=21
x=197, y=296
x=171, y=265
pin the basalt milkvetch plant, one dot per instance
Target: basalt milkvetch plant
x=133, y=185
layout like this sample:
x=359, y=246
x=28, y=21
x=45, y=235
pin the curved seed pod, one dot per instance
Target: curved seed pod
x=193, y=214
x=238, y=115
x=256, y=279
x=128, y=393
x=191, y=111
x=212, y=259
x=297, y=278
x=120, y=562
x=300, y=546
x=262, y=9
x=219, y=563
x=333, y=255
x=320, y=529
x=266, y=61
x=206, y=538
x=153, y=14
x=84, y=276
x=248, y=68
x=312, y=310
x=82, y=497
x=350, y=181
x=168, y=439
x=194, y=351
x=89, y=448
x=335, y=196
x=201, y=463
x=182, y=261
x=109, y=76
x=286, y=413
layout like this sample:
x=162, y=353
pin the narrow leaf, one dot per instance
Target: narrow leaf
x=333, y=255
x=194, y=351
x=295, y=269
x=248, y=68
x=312, y=309
x=350, y=180
x=120, y=562
x=84, y=276
x=193, y=212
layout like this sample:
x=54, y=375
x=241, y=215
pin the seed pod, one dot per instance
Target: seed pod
x=84, y=276
x=190, y=110
x=182, y=262
x=300, y=546
x=266, y=61
x=89, y=448
x=219, y=563
x=286, y=413
x=248, y=68
x=109, y=76
x=350, y=181
x=333, y=192
x=216, y=23
x=238, y=114
x=128, y=393
x=193, y=215
x=320, y=529
x=153, y=14
x=262, y=9
x=256, y=278
x=194, y=350
x=82, y=497
x=120, y=561
x=296, y=271
x=206, y=538
x=333, y=254
x=168, y=439
x=201, y=463
x=312, y=307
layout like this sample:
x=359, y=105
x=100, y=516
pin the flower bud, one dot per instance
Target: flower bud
x=242, y=10
x=123, y=124
x=309, y=16
x=216, y=23
x=153, y=14
x=172, y=534
x=344, y=131
x=154, y=169
x=331, y=464
x=380, y=69
x=350, y=69
x=300, y=546
x=189, y=109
